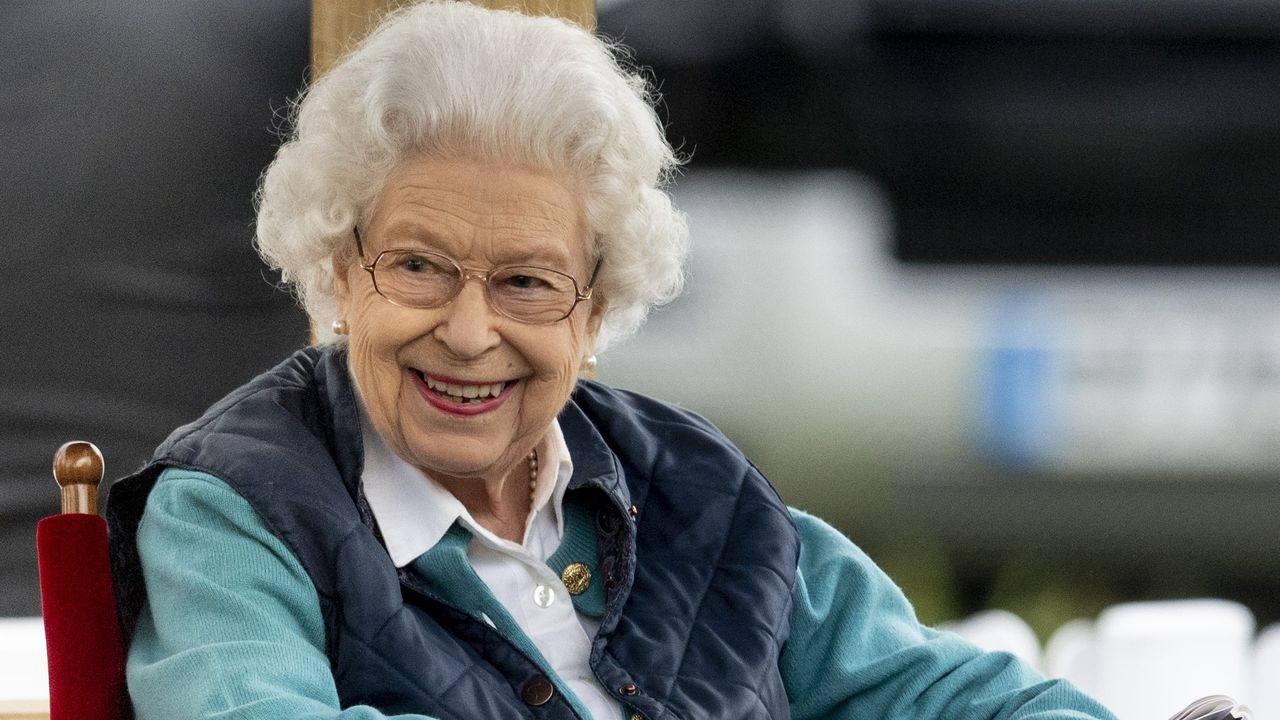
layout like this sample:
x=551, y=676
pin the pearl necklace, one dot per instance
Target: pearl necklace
x=532, y=459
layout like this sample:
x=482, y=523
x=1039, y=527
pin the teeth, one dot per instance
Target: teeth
x=465, y=393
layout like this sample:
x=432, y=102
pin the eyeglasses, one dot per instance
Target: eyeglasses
x=525, y=293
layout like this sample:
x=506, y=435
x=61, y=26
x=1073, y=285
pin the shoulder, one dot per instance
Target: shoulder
x=597, y=399
x=284, y=391
x=823, y=544
x=677, y=460
x=285, y=446
x=655, y=433
x=661, y=444
x=286, y=442
x=833, y=571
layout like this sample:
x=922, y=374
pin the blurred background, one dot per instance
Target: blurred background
x=991, y=285
x=132, y=134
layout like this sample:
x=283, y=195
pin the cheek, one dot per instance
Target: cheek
x=558, y=364
x=373, y=346
x=367, y=361
x=376, y=381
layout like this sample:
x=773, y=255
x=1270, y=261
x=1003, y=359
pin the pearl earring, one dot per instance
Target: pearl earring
x=339, y=327
x=589, y=364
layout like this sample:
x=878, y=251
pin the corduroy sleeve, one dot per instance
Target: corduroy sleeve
x=856, y=650
x=232, y=629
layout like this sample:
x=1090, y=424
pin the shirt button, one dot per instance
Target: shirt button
x=537, y=691
x=543, y=596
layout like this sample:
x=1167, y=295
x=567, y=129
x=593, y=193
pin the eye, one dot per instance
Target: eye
x=411, y=263
x=414, y=264
x=525, y=282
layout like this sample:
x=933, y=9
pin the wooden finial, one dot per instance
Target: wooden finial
x=77, y=466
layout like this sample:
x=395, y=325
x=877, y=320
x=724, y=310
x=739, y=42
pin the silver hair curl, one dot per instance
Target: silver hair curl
x=452, y=80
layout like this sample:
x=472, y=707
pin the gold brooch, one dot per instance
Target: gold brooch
x=576, y=578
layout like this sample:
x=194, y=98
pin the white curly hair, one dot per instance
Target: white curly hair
x=453, y=80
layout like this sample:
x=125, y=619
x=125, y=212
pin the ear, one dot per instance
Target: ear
x=341, y=283
x=599, y=306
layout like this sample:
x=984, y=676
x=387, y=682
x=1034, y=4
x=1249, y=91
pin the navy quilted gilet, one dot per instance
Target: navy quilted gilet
x=697, y=584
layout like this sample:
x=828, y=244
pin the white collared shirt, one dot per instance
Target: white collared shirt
x=414, y=513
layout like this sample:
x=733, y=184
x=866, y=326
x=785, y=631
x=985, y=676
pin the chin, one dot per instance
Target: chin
x=456, y=459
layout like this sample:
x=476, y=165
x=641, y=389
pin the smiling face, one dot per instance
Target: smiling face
x=407, y=362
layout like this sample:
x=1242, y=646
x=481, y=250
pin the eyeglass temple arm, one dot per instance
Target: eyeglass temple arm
x=355, y=230
x=591, y=283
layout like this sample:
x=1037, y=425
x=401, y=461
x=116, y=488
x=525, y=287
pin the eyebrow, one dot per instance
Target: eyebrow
x=408, y=231
x=415, y=232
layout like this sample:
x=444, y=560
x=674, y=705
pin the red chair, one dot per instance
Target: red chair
x=82, y=631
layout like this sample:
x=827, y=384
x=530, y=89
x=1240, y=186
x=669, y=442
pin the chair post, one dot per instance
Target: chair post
x=82, y=631
x=77, y=468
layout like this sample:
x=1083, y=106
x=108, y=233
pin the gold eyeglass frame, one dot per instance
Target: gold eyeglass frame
x=465, y=274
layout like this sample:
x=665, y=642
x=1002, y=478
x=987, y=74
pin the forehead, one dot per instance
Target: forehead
x=480, y=210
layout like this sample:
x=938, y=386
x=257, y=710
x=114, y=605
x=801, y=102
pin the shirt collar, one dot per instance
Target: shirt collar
x=414, y=512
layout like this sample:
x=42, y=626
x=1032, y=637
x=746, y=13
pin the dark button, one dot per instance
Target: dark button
x=629, y=689
x=606, y=522
x=537, y=691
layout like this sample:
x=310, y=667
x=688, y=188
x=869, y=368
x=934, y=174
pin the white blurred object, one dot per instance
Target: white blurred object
x=1264, y=691
x=1153, y=657
x=1069, y=655
x=24, y=672
x=999, y=630
x=1214, y=707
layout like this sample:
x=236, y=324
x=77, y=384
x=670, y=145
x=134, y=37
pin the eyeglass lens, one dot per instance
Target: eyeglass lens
x=522, y=292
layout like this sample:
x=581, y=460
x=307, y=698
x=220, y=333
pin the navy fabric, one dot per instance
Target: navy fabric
x=697, y=581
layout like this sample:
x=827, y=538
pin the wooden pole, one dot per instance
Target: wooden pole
x=338, y=25
x=582, y=12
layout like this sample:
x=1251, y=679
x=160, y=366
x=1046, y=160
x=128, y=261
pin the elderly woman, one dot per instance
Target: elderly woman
x=431, y=514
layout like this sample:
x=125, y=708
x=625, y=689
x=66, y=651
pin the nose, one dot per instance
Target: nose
x=469, y=327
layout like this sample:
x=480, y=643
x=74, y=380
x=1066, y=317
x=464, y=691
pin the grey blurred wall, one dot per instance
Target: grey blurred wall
x=132, y=134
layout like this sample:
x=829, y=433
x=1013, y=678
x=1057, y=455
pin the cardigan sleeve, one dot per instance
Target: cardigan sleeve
x=232, y=628
x=856, y=650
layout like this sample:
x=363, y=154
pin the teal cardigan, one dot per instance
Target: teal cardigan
x=239, y=634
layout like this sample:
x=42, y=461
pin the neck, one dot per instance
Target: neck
x=502, y=510
x=501, y=505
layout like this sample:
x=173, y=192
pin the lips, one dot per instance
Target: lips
x=463, y=397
